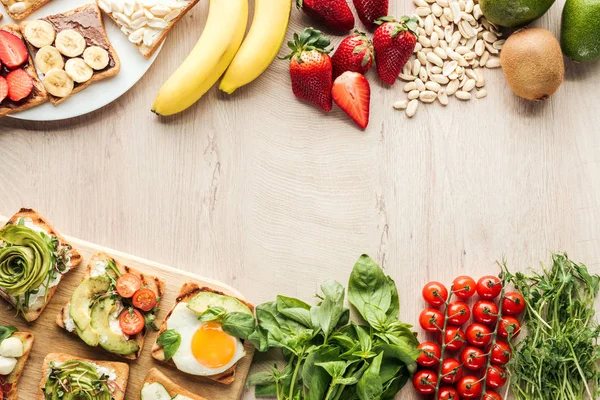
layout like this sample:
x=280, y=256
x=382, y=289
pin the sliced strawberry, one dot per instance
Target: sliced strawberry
x=13, y=52
x=352, y=93
x=20, y=84
x=3, y=89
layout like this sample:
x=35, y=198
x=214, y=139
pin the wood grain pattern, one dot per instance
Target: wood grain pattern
x=50, y=338
x=264, y=193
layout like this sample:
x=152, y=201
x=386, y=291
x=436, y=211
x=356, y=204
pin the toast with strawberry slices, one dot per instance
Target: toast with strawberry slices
x=24, y=82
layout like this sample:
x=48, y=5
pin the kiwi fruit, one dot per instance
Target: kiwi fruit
x=533, y=64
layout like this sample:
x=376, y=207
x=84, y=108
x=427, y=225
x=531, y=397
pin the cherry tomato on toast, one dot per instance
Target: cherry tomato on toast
x=144, y=299
x=131, y=321
x=127, y=285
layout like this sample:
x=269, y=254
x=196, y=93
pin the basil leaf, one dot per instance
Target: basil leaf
x=314, y=378
x=284, y=302
x=237, y=324
x=170, y=341
x=260, y=339
x=269, y=390
x=261, y=378
x=294, y=309
x=335, y=369
x=369, y=285
x=376, y=317
x=327, y=314
x=393, y=312
x=404, y=352
x=6, y=332
x=370, y=386
x=212, y=314
x=364, y=339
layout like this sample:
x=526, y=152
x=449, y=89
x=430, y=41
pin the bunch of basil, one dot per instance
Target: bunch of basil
x=327, y=356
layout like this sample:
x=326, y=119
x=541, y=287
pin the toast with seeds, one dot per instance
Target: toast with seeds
x=105, y=375
x=25, y=229
x=9, y=383
x=95, y=310
x=71, y=50
x=173, y=389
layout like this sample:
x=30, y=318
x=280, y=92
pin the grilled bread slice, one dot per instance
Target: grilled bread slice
x=154, y=375
x=12, y=380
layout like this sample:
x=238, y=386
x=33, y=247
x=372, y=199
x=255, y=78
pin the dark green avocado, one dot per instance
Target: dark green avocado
x=580, y=32
x=514, y=13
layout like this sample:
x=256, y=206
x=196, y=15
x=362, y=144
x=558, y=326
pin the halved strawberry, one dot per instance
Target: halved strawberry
x=352, y=93
x=13, y=52
x=20, y=84
x=3, y=89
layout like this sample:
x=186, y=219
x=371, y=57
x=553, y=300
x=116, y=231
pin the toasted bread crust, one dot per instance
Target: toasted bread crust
x=186, y=293
x=120, y=369
x=35, y=310
x=27, y=339
x=154, y=375
x=34, y=5
x=97, y=76
x=155, y=284
x=40, y=96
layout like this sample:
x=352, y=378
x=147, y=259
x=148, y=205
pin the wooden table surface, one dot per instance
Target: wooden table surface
x=264, y=193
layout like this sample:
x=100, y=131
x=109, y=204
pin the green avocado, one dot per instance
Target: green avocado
x=514, y=13
x=110, y=340
x=83, y=296
x=580, y=32
x=203, y=300
x=74, y=380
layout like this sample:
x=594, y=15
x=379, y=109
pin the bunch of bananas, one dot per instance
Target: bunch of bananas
x=222, y=50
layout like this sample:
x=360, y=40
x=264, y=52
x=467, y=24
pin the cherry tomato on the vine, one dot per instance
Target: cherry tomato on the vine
x=479, y=335
x=430, y=354
x=458, y=313
x=473, y=358
x=447, y=393
x=469, y=387
x=513, y=303
x=431, y=320
x=496, y=376
x=435, y=294
x=451, y=370
x=454, y=338
x=425, y=381
x=491, y=395
x=501, y=353
x=485, y=312
x=489, y=287
x=509, y=327
x=464, y=287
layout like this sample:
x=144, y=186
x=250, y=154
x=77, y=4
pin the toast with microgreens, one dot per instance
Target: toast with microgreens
x=158, y=386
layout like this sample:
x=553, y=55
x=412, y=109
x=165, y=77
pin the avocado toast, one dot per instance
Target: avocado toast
x=158, y=384
x=105, y=308
x=34, y=258
x=185, y=326
x=10, y=380
x=67, y=377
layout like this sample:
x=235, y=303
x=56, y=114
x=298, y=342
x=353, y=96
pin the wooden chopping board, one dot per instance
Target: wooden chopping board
x=50, y=338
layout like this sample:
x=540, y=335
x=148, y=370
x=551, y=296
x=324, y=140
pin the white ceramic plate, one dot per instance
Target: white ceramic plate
x=98, y=94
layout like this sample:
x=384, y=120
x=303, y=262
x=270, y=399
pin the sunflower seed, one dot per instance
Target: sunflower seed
x=423, y=11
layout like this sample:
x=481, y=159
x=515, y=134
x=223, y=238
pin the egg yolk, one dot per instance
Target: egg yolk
x=212, y=347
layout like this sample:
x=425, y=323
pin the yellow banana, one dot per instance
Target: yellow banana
x=269, y=26
x=208, y=60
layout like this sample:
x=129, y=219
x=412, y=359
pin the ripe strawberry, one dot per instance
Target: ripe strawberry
x=3, y=89
x=370, y=11
x=394, y=42
x=19, y=83
x=352, y=93
x=310, y=68
x=13, y=52
x=355, y=53
x=335, y=14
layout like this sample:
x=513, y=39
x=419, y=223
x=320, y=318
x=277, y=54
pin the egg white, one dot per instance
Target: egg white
x=185, y=322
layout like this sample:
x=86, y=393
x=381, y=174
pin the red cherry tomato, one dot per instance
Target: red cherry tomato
x=509, y=327
x=513, y=303
x=473, y=358
x=425, y=381
x=431, y=320
x=451, y=370
x=131, y=322
x=489, y=287
x=127, y=285
x=500, y=353
x=464, y=287
x=435, y=294
x=469, y=387
x=479, y=335
x=448, y=393
x=144, y=299
x=458, y=313
x=491, y=395
x=430, y=354
x=496, y=376
x=454, y=338
x=485, y=312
